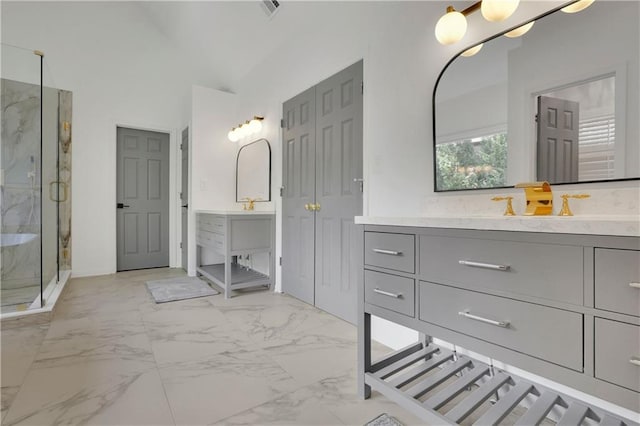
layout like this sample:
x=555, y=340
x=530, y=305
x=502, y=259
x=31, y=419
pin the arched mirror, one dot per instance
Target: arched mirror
x=558, y=103
x=253, y=172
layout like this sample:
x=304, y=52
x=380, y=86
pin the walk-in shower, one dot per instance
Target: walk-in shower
x=35, y=179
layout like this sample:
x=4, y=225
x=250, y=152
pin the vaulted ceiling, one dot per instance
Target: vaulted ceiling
x=226, y=39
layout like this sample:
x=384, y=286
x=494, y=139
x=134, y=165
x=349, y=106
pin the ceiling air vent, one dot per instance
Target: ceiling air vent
x=270, y=7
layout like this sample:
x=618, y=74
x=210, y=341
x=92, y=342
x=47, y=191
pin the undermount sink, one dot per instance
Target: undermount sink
x=9, y=240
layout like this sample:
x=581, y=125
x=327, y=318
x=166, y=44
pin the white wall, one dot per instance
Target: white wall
x=121, y=72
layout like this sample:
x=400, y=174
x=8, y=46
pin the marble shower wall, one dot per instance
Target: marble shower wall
x=20, y=208
x=21, y=199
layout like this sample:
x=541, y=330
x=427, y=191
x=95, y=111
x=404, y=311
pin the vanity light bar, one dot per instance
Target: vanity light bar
x=245, y=129
x=452, y=26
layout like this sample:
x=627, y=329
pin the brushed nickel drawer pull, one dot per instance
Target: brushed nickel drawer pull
x=635, y=361
x=386, y=293
x=484, y=265
x=389, y=252
x=634, y=285
x=466, y=314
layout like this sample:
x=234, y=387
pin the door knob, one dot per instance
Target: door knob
x=316, y=207
x=308, y=207
x=122, y=205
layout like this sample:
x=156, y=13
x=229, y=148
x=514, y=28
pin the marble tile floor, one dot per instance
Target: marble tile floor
x=111, y=356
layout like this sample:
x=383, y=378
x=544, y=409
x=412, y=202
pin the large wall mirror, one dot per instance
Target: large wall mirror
x=253, y=172
x=559, y=103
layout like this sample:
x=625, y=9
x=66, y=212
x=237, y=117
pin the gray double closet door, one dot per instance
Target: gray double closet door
x=322, y=179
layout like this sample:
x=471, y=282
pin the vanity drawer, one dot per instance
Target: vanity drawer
x=211, y=223
x=617, y=357
x=392, y=251
x=547, y=333
x=210, y=239
x=547, y=271
x=617, y=280
x=390, y=292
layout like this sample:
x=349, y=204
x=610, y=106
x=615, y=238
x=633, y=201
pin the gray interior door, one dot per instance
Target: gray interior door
x=558, y=143
x=322, y=167
x=338, y=190
x=298, y=178
x=184, y=197
x=142, y=218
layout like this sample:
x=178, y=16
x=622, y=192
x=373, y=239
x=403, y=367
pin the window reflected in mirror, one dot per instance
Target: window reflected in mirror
x=479, y=162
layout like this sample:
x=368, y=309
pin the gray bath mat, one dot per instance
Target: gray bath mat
x=179, y=288
x=384, y=420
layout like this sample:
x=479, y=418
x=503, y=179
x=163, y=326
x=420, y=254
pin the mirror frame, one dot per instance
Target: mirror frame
x=238, y=159
x=433, y=110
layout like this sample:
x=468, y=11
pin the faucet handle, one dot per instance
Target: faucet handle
x=566, y=211
x=509, y=209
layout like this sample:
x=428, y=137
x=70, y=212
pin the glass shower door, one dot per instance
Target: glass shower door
x=21, y=180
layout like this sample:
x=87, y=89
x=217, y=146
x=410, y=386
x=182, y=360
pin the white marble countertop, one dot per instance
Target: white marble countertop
x=235, y=212
x=620, y=225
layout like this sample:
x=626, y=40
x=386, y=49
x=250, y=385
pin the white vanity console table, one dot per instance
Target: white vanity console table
x=561, y=306
x=231, y=234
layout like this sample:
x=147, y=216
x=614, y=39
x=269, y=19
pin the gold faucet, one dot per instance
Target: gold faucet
x=539, y=198
x=509, y=210
x=250, y=204
x=566, y=211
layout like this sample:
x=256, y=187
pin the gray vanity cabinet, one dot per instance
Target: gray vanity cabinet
x=228, y=236
x=561, y=306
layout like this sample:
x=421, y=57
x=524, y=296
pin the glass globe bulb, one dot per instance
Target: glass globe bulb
x=577, y=6
x=472, y=50
x=246, y=129
x=520, y=30
x=498, y=10
x=233, y=135
x=451, y=27
x=255, y=125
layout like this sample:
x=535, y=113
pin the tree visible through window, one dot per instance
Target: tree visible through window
x=472, y=163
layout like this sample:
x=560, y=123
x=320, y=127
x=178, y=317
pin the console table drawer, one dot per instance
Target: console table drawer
x=392, y=251
x=617, y=280
x=390, y=292
x=547, y=271
x=547, y=333
x=210, y=239
x=211, y=223
x=617, y=357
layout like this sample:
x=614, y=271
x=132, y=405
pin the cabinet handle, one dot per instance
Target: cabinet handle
x=389, y=252
x=635, y=361
x=484, y=265
x=386, y=293
x=634, y=285
x=466, y=314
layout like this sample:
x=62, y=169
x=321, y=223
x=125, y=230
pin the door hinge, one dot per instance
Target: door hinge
x=281, y=190
x=282, y=123
x=362, y=87
x=536, y=118
x=181, y=147
x=280, y=261
x=181, y=244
